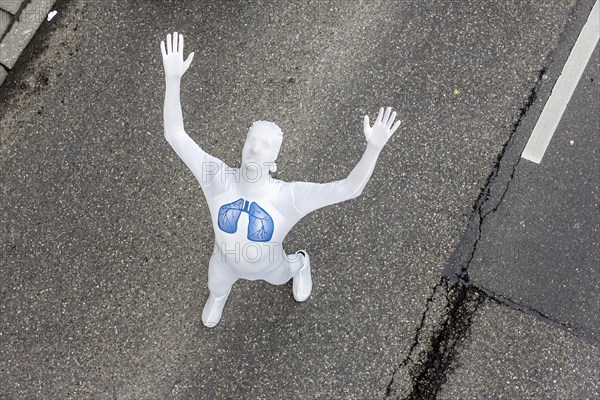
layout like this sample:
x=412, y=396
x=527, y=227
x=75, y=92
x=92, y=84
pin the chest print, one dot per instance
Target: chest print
x=260, y=225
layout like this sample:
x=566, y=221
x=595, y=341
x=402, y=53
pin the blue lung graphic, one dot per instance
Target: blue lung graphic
x=229, y=214
x=260, y=225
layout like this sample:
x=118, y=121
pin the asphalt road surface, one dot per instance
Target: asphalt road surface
x=106, y=236
x=541, y=246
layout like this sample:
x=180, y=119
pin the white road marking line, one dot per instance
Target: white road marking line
x=564, y=88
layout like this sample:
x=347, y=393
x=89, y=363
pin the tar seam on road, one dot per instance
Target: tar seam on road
x=564, y=88
x=430, y=365
x=431, y=355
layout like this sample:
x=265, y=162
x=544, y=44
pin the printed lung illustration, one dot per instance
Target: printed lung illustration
x=229, y=214
x=260, y=227
x=260, y=223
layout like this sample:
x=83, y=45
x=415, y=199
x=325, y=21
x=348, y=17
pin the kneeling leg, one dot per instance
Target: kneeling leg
x=220, y=281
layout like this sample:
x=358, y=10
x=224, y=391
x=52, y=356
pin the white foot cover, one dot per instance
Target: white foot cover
x=302, y=282
x=211, y=315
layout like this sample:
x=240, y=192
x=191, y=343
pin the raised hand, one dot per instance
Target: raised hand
x=172, y=56
x=382, y=129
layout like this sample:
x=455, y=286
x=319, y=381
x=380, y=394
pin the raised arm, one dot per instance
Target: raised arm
x=377, y=136
x=175, y=67
x=311, y=196
x=202, y=165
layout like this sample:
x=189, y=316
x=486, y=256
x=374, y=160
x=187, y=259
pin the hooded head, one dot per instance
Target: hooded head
x=262, y=144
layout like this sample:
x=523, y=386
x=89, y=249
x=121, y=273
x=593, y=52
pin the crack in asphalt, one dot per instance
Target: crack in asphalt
x=528, y=310
x=431, y=365
x=389, y=391
x=429, y=375
x=484, y=195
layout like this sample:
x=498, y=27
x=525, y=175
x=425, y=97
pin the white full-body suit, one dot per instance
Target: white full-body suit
x=254, y=250
x=251, y=212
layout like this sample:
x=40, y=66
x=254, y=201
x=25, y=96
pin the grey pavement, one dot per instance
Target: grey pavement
x=106, y=236
x=541, y=246
x=491, y=364
x=532, y=247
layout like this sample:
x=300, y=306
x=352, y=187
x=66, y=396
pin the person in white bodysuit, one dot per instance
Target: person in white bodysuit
x=252, y=212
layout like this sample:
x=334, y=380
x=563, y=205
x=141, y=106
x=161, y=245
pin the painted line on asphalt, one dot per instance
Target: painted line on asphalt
x=564, y=88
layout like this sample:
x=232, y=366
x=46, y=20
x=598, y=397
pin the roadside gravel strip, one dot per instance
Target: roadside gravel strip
x=19, y=21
